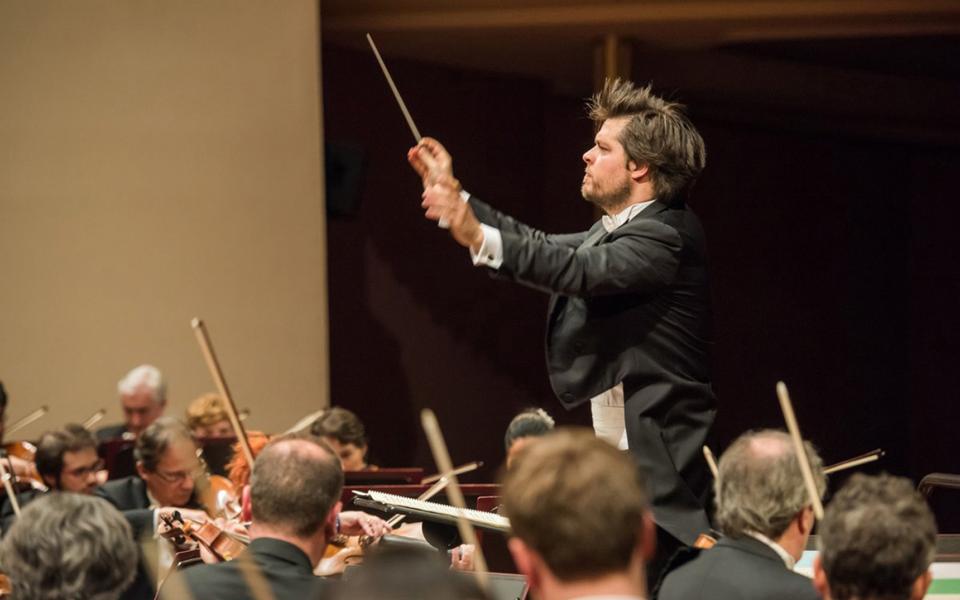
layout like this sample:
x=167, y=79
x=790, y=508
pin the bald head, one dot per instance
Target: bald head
x=294, y=486
x=760, y=486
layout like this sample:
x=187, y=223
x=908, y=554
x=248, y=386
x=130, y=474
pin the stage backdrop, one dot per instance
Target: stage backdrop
x=160, y=161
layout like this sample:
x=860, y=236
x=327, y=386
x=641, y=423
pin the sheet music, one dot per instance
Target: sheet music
x=480, y=518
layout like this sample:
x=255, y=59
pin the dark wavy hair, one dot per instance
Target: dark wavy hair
x=658, y=134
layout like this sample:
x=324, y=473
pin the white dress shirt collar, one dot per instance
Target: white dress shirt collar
x=611, y=223
x=788, y=560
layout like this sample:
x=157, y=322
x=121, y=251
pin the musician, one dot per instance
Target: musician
x=765, y=514
x=344, y=432
x=207, y=417
x=167, y=467
x=294, y=501
x=69, y=546
x=143, y=397
x=628, y=325
x=166, y=463
x=67, y=460
x=877, y=541
x=523, y=429
x=580, y=518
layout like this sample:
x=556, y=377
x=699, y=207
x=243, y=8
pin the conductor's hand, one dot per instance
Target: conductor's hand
x=442, y=201
x=431, y=161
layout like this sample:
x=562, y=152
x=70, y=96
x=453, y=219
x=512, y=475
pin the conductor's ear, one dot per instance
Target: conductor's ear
x=638, y=172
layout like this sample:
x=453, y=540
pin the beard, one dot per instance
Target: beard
x=606, y=199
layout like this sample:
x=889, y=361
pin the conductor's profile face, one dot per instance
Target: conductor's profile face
x=607, y=175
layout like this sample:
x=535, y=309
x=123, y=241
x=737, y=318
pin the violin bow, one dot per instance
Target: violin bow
x=856, y=461
x=93, y=419
x=20, y=424
x=248, y=569
x=470, y=466
x=206, y=347
x=305, y=422
x=442, y=457
x=787, y=407
x=711, y=461
x=11, y=494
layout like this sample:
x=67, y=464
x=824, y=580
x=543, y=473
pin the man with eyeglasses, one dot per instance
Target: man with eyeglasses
x=166, y=460
x=166, y=468
x=67, y=461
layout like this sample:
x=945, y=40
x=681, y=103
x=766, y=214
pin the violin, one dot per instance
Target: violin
x=221, y=545
x=345, y=551
x=216, y=493
x=19, y=459
x=342, y=551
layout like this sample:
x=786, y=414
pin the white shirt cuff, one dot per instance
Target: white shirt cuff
x=491, y=250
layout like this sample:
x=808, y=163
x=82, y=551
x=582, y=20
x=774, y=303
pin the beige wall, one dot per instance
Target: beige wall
x=160, y=160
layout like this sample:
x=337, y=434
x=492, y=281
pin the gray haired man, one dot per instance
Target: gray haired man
x=766, y=517
x=143, y=397
x=877, y=540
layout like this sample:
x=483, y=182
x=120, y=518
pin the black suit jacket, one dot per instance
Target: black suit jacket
x=7, y=514
x=129, y=495
x=111, y=432
x=285, y=567
x=631, y=307
x=736, y=569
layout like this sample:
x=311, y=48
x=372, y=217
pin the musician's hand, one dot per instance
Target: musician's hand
x=24, y=469
x=355, y=522
x=442, y=202
x=461, y=557
x=187, y=514
x=431, y=161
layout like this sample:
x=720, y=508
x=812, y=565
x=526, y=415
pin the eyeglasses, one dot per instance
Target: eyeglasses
x=85, y=471
x=177, y=477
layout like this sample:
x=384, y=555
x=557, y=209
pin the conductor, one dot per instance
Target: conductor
x=628, y=325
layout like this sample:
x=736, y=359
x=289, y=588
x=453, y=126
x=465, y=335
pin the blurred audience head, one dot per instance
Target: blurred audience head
x=408, y=574
x=569, y=487
x=69, y=547
x=877, y=542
